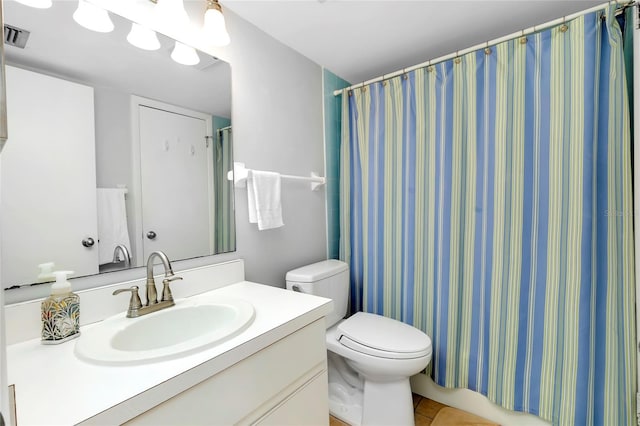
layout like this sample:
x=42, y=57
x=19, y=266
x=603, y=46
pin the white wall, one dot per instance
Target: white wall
x=277, y=125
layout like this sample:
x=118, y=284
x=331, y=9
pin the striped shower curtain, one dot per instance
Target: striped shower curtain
x=225, y=236
x=487, y=201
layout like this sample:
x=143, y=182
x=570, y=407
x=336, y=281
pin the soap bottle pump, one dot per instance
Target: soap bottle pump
x=46, y=271
x=60, y=312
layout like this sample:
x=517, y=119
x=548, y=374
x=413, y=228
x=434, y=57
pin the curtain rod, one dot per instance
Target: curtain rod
x=521, y=33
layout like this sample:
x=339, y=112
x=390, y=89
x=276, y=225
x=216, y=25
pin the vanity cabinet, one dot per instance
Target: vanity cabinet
x=272, y=372
x=283, y=384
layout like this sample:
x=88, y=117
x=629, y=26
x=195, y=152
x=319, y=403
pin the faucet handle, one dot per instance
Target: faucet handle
x=134, y=303
x=171, y=278
x=166, y=291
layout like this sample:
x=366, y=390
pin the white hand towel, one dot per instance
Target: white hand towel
x=112, y=223
x=263, y=199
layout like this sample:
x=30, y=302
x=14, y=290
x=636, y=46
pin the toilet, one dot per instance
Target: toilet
x=370, y=357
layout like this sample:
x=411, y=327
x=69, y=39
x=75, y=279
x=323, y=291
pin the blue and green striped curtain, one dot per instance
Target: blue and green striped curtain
x=487, y=201
x=225, y=236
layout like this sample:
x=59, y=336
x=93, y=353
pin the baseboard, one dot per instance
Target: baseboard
x=472, y=402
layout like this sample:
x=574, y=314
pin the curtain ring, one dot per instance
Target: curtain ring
x=487, y=49
x=384, y=81
x=404, y=74
x=523, y=38
x=457, y=59
x=430, y=67
x=564, y=27
x=363, y=88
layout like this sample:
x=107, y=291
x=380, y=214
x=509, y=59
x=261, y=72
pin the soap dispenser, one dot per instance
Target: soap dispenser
x=60, y=312
x=46, y=271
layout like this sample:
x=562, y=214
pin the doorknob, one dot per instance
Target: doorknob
x=151, y=235
x=88, y=242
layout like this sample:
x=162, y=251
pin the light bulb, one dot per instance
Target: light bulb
x=214, y=28
x=38, y=4
x=184, y=54
x=143, y=37
x=92, y=17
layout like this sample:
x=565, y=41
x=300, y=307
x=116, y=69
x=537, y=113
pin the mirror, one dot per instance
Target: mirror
x=153, y=145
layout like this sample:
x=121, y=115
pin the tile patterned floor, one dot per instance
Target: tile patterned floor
x=425, y=410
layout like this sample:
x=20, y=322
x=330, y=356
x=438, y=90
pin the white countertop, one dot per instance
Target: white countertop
x=54, y=387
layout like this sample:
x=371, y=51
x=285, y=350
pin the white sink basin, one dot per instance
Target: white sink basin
x=187, y=327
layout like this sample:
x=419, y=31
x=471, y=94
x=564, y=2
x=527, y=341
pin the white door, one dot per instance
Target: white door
x=49, y=199
x=176, y=203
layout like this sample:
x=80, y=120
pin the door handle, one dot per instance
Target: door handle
x=151, y=235
x=88, y=242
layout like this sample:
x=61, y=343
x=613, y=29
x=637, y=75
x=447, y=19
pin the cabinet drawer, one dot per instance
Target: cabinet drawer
x=307, y=406
x=250, y=388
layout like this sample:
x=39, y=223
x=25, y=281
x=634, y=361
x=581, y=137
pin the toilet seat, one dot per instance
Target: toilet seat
x=382, y=337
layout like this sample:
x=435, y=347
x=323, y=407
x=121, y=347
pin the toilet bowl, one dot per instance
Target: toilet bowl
x=370, y=357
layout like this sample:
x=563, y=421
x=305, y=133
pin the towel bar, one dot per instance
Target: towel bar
x=239, y=177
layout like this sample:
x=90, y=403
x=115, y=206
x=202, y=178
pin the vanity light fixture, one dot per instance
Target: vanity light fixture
x=171, y=13
x=184, y=54
x=143, y=37
x=92, y=17
x=214, y=27
x=38, y=4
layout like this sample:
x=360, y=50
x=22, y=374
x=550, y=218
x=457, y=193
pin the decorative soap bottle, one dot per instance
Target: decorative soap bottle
x=60, y=312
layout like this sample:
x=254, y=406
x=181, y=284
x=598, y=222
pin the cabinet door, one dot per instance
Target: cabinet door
x=48, y=177
x=256, y=387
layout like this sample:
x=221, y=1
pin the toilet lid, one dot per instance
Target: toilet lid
x=383, y=337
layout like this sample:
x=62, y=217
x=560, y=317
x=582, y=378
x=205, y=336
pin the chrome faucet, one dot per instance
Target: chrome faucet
x=121, y=248
x=136, y=308
x=152, y=294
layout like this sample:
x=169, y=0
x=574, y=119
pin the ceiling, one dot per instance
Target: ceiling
x=359, y=40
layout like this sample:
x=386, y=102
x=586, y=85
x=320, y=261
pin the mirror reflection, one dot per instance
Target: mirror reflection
x=113, y=151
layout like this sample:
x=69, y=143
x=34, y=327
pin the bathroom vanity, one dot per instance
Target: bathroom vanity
x=271, y=372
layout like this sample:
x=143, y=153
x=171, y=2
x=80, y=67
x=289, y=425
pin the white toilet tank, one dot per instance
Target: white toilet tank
x=330, y=279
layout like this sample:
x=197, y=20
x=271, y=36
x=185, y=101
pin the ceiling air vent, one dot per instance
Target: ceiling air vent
x=14, y=36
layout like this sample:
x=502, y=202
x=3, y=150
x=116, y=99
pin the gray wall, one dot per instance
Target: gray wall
x=113, y=138
x=277, y=126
